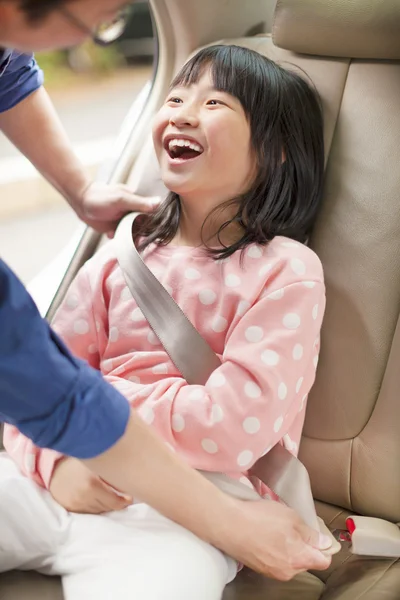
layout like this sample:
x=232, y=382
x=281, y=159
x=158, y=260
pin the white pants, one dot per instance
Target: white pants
x=135, y=554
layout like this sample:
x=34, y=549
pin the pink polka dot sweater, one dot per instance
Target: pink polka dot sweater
x=262, y=316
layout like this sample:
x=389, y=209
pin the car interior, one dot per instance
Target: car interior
x=351, y=438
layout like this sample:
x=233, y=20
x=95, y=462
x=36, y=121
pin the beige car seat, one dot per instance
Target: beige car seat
x=351, y=444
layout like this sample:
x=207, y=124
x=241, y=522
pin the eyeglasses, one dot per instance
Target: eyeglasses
x=105, y=33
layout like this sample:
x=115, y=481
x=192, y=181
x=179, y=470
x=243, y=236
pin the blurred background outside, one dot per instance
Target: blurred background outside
x=92, y=89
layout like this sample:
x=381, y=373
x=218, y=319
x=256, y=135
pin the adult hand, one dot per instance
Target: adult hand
x=272, y=539
x=78, y=490
x=102, y=205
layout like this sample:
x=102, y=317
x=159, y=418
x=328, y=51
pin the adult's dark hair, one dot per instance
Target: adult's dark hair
x=285, y=117
x=37, y=10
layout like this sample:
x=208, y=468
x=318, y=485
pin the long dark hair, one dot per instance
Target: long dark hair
x=285, y=118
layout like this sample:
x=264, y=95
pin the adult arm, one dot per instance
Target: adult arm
x=28, y=118
x=62, y=403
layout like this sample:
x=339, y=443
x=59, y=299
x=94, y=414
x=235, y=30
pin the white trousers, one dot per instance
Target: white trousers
x=135, y=554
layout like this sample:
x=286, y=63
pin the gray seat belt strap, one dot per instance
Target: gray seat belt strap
x=279, y=469
x=174, y=330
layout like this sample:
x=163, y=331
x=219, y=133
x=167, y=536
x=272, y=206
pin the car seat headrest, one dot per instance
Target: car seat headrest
x=366, y=29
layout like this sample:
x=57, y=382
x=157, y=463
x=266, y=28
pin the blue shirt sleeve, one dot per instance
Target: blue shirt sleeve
x=52, y=397
x=20, y=76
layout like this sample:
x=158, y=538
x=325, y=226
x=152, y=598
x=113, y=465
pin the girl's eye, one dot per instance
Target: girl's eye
x=214, y=102
x=175, y=100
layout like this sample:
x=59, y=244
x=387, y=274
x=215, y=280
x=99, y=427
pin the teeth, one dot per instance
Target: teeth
x=184, y=143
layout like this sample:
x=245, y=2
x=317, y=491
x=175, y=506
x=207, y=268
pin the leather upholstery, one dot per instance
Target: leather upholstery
x=354, y=28
x=351, y=443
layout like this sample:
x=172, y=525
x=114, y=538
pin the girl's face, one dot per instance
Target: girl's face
x=202, y=141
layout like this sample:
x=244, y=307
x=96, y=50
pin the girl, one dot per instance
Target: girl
x=240, y=147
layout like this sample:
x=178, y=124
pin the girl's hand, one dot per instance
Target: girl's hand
x=78, y=490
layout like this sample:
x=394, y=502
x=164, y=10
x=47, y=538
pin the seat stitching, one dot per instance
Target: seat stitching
x=374, y=583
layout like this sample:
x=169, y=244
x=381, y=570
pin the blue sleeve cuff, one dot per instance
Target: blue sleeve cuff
x=53, y=398
x=21, y=77
x=86, y=423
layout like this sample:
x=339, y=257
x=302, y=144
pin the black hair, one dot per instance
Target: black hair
x=36, y=11
x=285, y=117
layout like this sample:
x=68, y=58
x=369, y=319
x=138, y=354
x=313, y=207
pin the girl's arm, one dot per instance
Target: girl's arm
x=37, y=463
x=252, y=400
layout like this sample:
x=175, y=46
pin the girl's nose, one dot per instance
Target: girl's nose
x=184, y=117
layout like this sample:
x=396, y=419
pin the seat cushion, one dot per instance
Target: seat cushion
x=19, y=585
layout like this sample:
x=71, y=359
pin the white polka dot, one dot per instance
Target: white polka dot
x=72, y=301
x=299, y=384
x=196, y=394
x=278, y=424
x=303, y=401
x=254, y=252
x=316, y=359
x=243, y=307
x=178, y=423
x=270, y=358
x=254, y=334
x=292, y=321
x=126, y=295
x=145, y=391
x=169, y=289
x=246, y=482
x=298, y=351
x=251, y=425
x=217, y=414
x=160, y=369
x=252, y=390
x=207, y=297
x=264, y=270
x=147, y=414
x=209, y=446
x=290, y=244
x=137, y=315
x=315, y=312
x=30, y=462
x=114, y=334
x=217, y=380
x=309, y=284
x=192, y=274
x=153, y=339
x=245, y=458
x=81, y=327
x=98, y=326
x=232, y=281
x=277, y=295
x=134, y=379
x=92, y=349
x=108, y=365
x=298, y=266
x=219, y=324
x=290, y=444
x=282, y=391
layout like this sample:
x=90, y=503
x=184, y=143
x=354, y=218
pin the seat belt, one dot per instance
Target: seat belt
x=283, y=473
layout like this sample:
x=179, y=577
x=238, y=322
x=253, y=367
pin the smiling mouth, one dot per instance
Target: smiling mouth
x=179, y=149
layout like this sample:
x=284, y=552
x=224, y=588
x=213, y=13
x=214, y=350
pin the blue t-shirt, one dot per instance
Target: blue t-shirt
x=20, y=75
x=52, y=397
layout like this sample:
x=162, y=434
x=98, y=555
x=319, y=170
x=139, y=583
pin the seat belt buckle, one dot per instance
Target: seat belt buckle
x=374, y=537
